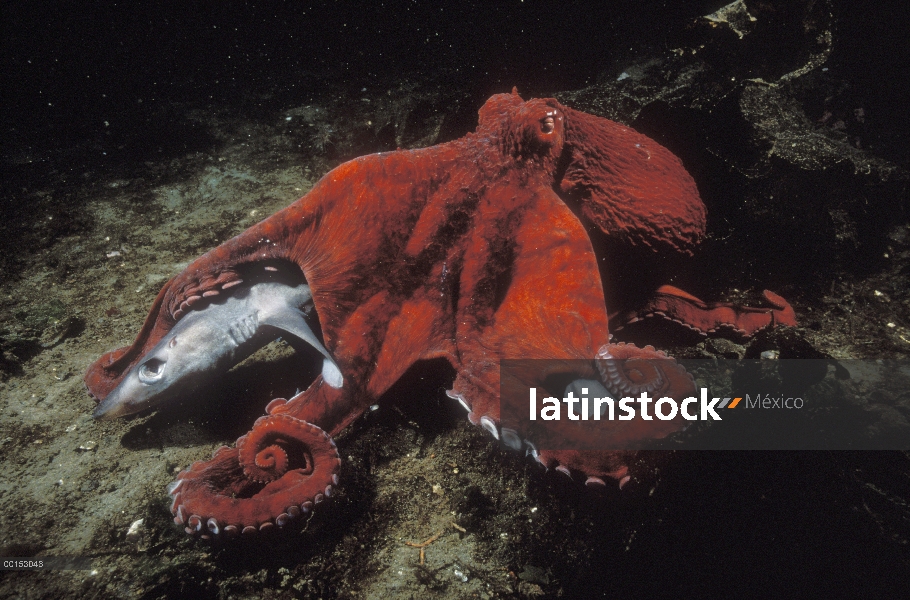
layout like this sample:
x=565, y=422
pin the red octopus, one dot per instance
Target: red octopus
x=466, y=250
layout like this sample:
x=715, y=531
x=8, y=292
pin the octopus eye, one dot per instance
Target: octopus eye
x=547, y=124
x=151, y=371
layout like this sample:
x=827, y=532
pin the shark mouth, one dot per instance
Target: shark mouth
x=208, y=341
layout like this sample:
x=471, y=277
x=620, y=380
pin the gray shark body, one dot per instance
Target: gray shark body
x=208, y=342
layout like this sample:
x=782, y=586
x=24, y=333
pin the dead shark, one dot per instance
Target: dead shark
x=207, y=342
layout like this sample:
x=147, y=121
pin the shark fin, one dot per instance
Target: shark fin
x=293, y=322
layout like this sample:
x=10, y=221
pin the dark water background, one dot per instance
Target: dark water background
x=68, y=66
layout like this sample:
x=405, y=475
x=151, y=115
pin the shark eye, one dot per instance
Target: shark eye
x=151, y=371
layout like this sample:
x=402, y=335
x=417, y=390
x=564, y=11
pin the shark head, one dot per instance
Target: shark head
x=208, y=342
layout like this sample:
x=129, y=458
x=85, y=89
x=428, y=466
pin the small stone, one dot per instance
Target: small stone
x=533, y=574
x=89, y=446
x=134, y=533
x=138, y=534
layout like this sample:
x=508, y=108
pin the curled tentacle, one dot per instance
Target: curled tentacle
x=264, y=450
x=277, y=472
x=627, y=370
x=600, y=448
x=269, y=464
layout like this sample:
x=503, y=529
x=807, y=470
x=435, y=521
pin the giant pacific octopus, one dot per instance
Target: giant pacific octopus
x=468, y=251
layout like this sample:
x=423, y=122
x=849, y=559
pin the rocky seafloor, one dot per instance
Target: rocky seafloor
x=784, y=114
